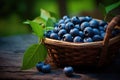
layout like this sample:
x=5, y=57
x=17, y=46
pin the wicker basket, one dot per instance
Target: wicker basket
x=87, y=54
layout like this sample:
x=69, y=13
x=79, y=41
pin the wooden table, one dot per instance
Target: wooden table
x=11, y=53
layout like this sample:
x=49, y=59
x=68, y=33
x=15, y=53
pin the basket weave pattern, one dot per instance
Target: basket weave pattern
x=72, y=56
x=93, y=54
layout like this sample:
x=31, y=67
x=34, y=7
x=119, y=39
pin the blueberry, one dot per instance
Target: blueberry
x=61, y=21
x=61, y=26
x=115, y=32
x=82, y=19
x=56, y=29
x=39, y=66
x=67, y=37
x=97, y=38
x=48, y=33
x=101, y=28
x=88, y=39
x=102, y=23
x=105, y=27
x=46, y=68
x=96, y=31
x=103, y=35
x=88, y=18
x=69, y=26
x=67, y=20
x=68, y=71
x=75, y=20
x=77, y=39
x=88, y=31
x=62, y=32
x=84, y=25
x=54, y=36
x=102, y=32
x=74, y=32
x=94, y=23
x=81, y=34
x=77, y=26
x=65, y=17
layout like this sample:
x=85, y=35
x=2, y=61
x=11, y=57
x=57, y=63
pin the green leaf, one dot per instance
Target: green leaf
x=53, y=19
x=45, y=14
x=26, y=22
x=54, y=15
x=49, y=22
x=38, y=29
x=49, y=28
x=39, y=20
x=112, y=6
x=33, y=55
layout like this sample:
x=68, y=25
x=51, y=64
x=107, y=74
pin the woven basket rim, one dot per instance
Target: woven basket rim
x=88, y=44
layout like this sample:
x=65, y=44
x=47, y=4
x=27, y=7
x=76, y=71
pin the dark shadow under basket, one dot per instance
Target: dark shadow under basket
x=87, y=54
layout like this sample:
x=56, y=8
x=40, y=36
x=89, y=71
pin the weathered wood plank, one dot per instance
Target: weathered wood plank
x=56, y=74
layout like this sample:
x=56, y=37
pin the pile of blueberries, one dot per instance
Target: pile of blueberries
x=46, y=68
x=79, y=29
x=42, y=67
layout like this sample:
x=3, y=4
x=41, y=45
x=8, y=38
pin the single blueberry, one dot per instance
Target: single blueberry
x=97, y=38
x=88, y=39
x=62, y=32
x=81, y=34
x=67, y=20
x=102, y=23
x=46, y=68
x=65, y=17
x=54, y=36
x=69, y=26
x=74, y=32
x=103, y=35
x=105, y=27
x=77, y=26
x=88, y=18
x=77, y=39
x=115, y=32
x=56, y=29
x=60, y=21
x=68, y=71
x=96, y=31
x=48, y=33
x=88, y=31
x=61, y=26
x=101, y=28
x=84, y=25
x=39, y=66
x=82, y=19
x=94, y=23
x=75, y=20
x=67, y=37
x=102, y=32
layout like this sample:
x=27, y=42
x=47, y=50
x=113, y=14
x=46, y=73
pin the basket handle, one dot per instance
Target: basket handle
x=114, y=22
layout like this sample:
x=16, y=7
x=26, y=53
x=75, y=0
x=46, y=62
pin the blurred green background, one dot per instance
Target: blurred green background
x=14, y=12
